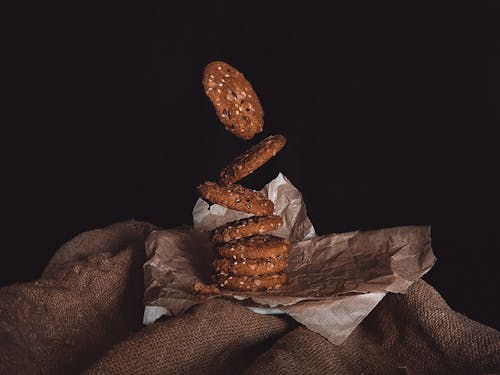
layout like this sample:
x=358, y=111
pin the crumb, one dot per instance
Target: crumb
x=205, y=289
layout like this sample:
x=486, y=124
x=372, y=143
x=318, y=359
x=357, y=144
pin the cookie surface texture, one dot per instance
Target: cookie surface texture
x=236, y=197
x=255, y=247
x=250, y=267
x=245, y=228
x=234, y=99
x=253, y=158
x=251, y=283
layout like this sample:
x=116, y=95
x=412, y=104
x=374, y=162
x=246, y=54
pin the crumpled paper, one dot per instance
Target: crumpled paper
x=334, y=280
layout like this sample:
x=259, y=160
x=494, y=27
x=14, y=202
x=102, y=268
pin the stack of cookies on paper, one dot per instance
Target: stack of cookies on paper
x=249, y=258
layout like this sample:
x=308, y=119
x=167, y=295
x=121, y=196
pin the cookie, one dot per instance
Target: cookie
x=253, y=158
x=245, y=227
x=234, y=99
x=250, y=267
x=255, y=247
x=237, y=198
x=251, y=283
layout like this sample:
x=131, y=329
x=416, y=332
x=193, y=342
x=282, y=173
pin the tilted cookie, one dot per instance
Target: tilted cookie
x=245, y=228
x=250, y=283
x=255, y=247
x=236, y=197
x=234, y=99
x=253, y=158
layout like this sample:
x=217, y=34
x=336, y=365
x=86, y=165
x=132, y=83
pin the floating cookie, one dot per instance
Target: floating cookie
x=255, y=247
x=251, y=283
x=253, y=158
x=234, y=99
x=245, y=227
x=250, y=267
x=237, y=198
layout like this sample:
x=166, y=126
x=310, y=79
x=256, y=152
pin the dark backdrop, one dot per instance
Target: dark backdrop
x=389, y=110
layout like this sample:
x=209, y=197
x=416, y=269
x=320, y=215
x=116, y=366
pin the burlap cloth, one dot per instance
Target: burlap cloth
x=84, y=315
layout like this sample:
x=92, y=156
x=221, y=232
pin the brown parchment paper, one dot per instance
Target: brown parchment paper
x=334, y=280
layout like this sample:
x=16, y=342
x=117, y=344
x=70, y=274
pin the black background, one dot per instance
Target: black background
x=390, y=111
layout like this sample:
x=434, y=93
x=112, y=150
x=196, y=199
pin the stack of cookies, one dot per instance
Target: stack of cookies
x=248, y=257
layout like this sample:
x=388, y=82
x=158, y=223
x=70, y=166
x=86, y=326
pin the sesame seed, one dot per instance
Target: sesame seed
x=218, y=90
x=219, y=68
x=220, y=84
x=241, y=283
x=235, y=263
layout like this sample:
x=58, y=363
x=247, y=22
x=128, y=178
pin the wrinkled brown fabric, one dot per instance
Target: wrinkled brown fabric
x=84, y=315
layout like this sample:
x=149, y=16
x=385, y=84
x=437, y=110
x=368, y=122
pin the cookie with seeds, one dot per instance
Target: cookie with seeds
x=234, y=99
x=253, y=158
x=237, y=198
x=250, y=267
x=245, y=228
x=250, y=283
x=255, y=247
